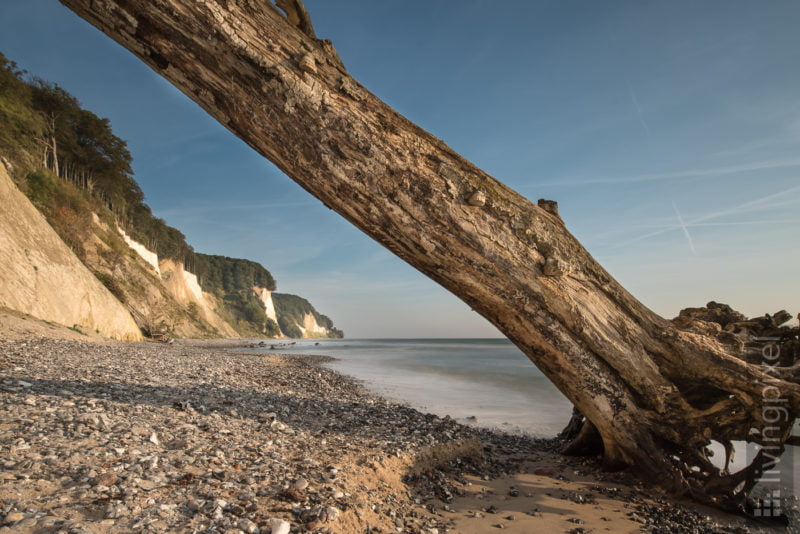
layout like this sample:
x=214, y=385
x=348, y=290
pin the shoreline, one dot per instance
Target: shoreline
x=121, y=437
x=478, y=382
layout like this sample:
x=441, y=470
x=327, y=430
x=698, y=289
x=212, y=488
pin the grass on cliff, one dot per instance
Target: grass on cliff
x=66, y=208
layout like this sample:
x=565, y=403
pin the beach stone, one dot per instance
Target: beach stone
x=49, y=521
x=27, y=523
x=176, y=444
x=13, y=517
x=247, y=526
x=115, y=510
x=193, y=506
x=332, y=513
x=293, y=495
x=64, y=453
x=89, y=420
x=147, y=485
x=300, y=484
x=235, y=509
x=107, y=479
x=279, y=526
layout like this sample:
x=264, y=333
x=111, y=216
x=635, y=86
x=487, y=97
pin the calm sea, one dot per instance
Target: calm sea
x=485, y=382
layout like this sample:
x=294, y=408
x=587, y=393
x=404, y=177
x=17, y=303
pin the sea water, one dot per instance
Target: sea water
x=485, y=382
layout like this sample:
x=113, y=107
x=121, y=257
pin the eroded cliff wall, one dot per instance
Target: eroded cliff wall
x=41, y=276
x=184, y=288
x=311, y=328
x=265, y=296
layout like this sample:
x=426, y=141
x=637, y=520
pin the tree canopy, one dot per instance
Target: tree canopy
x=221, y=274
x=41, y=121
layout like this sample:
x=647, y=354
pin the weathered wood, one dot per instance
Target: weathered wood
x=652, y=393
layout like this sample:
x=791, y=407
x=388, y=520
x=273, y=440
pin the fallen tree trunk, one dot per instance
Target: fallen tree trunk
x=654, y=395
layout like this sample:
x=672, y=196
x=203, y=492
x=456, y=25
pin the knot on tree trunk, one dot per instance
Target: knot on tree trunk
x=550, y=206
x=297, y=15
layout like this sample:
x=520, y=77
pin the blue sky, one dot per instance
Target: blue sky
x=669, y=133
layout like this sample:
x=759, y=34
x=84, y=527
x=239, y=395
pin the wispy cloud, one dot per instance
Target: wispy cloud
x=773, y=222
x=780, y=198
x=767, y=202
x=690, y=173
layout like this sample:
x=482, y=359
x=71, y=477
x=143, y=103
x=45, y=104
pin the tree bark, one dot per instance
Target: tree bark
x=655, y=395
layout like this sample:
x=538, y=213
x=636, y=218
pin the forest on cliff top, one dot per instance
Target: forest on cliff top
x=73, y=167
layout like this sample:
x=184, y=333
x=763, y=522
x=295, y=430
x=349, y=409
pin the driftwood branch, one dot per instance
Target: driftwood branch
x=656, y=396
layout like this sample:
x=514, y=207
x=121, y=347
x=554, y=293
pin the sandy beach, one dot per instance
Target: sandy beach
x=196, y=437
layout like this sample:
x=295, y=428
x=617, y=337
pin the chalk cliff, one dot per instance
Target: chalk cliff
x=41, y=276
x=310, y=328
x=265, y=296
x=79, y=246
x=185, y=288
x=147, y=255
x=121, y=277
x=297, y=318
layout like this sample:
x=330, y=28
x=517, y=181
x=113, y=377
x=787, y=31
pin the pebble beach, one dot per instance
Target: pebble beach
x=98, y=436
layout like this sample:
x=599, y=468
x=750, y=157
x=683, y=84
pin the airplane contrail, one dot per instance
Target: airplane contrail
x=638, y=109
x=685, y=229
